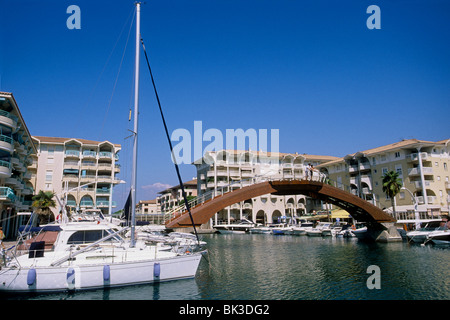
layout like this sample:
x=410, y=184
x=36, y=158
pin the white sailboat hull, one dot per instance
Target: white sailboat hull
x=98, y=275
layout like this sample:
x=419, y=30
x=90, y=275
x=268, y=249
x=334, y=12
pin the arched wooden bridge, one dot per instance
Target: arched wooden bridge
x=360, y=209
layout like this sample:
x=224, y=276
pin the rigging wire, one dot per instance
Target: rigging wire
x=170, y=143
x=117, y=77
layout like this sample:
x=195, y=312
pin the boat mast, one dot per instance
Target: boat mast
x=136, y=107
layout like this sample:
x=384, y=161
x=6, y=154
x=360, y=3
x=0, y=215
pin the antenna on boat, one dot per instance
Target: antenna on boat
x=136, y=107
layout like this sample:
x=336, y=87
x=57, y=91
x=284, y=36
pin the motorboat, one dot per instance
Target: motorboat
x=439, y=237
x=261, y=229
x=318, y=230
x=86, y=255
x=420, y=235
x=282, y=229
x=240, y=227
x=345, y=232
x=301, y=229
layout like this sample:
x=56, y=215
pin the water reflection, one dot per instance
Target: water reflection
x=267, y=267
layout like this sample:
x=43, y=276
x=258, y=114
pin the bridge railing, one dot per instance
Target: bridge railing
x=238, y=184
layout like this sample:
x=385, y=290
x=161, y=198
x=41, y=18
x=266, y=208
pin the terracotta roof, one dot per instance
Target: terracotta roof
x=147, y=201
x=64, y=140
x=279, y=154
x=408, y=143
x=192, y=182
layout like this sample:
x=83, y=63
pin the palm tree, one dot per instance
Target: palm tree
x=391, y=186
x=42, y=203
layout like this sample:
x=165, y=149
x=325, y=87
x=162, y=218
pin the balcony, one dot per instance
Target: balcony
x=7, y=143
x=418, y=184
x=104, y=178
x=104, y=166
x=416, y=171
x=103, y=191
x=7, y=194
x=72, y=154
x=413, y=157
x=86, y=203
x=70, y=177
x=105, y=204
x=88, y=178
x=364, y=166
x=5, y=169
x=105, y=155
x=431, y=199
x=9, y=120
x=89, y=154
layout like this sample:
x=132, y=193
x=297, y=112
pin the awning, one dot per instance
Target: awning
x=340, y=213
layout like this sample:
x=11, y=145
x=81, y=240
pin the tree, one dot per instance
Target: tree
x=391, y=186
x=42, y=204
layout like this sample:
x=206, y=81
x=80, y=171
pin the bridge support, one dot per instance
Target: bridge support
x=382, y=232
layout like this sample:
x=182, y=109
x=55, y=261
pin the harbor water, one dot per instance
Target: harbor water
x=268, y=267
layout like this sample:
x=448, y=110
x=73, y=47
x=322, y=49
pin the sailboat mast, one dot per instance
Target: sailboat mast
x=136, y=112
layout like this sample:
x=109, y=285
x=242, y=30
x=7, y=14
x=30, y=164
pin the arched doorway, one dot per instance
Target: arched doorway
x=261, y=217
x=276, y=215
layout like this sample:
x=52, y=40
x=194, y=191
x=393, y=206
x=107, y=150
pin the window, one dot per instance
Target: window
x=87, y=236
x=397, y=154
x=384, y=170
x=49, y=175
x=402, y=195
x=398, y=169
x=445, y=166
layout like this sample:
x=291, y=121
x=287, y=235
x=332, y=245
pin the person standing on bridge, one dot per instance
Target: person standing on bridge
x=307, y=170
x=311, y=169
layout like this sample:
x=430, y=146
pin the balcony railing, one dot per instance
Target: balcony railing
x=416, y=171
x=73, y=153
x=105, y=203
x=6, y=193
x=6, y=139
x=87, y=153
x=104, y=154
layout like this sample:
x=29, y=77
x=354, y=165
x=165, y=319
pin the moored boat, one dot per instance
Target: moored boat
x=420, y=235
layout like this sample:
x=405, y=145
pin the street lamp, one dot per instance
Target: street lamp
x=416, y=211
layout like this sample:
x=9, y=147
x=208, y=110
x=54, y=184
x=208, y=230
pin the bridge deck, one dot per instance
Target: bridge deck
x=360, y=209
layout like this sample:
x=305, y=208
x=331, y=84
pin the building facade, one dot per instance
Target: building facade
x=16, y=154
x=422, y=166
x=171, y=197
x=81, y=172
x=237, y=169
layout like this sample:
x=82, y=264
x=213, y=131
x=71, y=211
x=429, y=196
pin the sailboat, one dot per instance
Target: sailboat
x=87, y=255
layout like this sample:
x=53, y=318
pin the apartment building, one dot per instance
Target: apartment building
x=422, y=167
x=81, y=172
x=238, y=169
x=16, y=152
x=148, y=207
x=171, y=197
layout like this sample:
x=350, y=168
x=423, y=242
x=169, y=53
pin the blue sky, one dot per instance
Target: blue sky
x=311, y=69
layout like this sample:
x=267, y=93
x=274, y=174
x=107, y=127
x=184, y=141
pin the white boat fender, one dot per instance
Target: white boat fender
x=156, y=270
x=106, y=273
x=71, y=278
x=31, y=277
